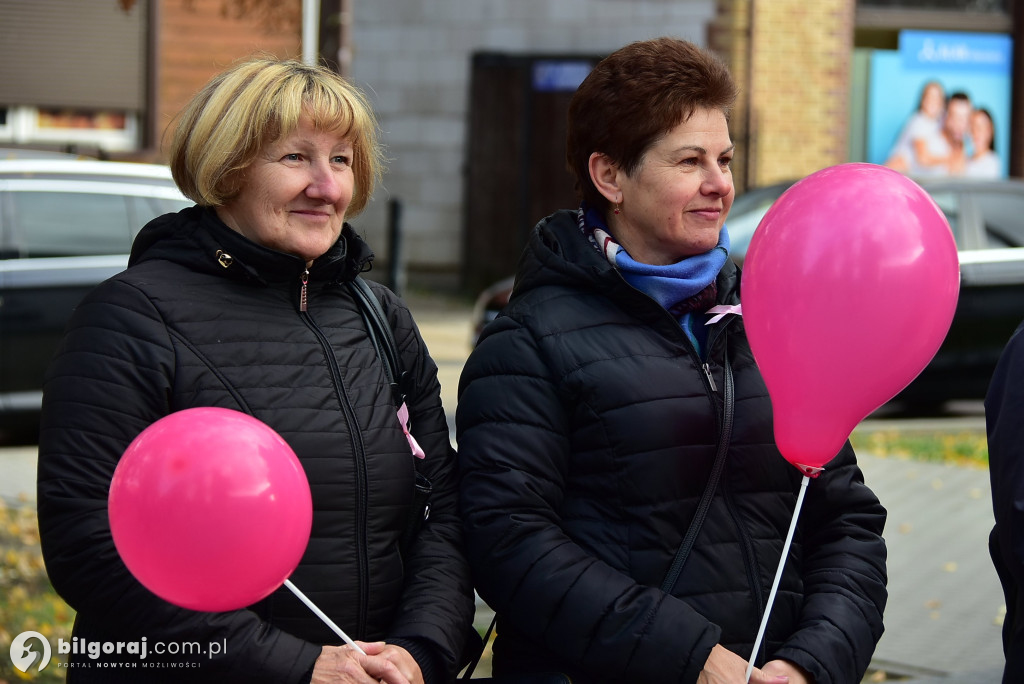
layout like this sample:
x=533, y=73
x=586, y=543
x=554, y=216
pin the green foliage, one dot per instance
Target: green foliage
x=963, y=448
x=27, y=600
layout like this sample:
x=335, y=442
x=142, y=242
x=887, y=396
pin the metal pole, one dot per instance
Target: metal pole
x=310, y=31
x=396, y=276
x=345, y=38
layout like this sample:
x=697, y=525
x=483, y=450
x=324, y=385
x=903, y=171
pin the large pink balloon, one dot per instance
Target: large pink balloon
x=849, y=288
x=210, y=509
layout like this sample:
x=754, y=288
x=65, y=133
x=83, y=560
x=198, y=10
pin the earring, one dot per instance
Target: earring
x=616, y=209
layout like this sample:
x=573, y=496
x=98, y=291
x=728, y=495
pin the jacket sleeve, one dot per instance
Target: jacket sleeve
x=1004, y=405
x=437, y=602
x=844, y=576
x=514, y=451
x=110, y=379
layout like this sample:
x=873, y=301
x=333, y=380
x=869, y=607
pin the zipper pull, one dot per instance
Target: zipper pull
x=707, y=372
x=303, y=293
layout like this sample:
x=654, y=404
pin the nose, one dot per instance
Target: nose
x=323, y=184
x=717, y=181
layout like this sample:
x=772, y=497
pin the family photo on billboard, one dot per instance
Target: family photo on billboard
x=946, y=136
x=938, y=106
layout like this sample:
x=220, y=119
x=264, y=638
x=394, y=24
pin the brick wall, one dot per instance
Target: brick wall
x=796, y=77
x=198, y=38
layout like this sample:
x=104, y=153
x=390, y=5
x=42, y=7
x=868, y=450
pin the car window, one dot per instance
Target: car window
x=1001, y=213
x=143, y=209
x=746, y=214
x=57, y=224
x=949, y=203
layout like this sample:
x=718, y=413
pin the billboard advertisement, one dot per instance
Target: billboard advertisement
x=940, y=105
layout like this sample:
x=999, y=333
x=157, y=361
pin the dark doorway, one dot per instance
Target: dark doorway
x=515, y=158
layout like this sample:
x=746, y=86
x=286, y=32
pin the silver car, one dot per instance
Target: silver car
x=987, y=220
x=65, y=226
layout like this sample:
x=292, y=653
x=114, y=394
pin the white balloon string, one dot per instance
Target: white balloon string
x=778, y=574
x=323, y=616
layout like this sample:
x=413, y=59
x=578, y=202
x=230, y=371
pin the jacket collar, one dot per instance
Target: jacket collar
x=557, y=252
x=197, y=238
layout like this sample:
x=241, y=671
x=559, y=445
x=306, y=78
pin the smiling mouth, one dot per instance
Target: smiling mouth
x=311, y=213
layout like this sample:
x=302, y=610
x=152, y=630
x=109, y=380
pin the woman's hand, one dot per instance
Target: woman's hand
x=401, y=658
x=787, y=669
x=381, y=664
x=725, y=667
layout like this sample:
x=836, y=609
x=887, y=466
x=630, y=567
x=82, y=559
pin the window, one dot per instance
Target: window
x=949, y=203
x=1001, y=213
x=58, y=224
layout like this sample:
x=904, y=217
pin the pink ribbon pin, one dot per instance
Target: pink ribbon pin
x=403, y=419
x=724, y=310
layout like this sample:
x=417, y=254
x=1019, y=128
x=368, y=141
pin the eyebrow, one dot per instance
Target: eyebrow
x=698, y=148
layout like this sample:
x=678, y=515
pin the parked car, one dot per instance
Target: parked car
x=987, y=220
x=489, y=304
x=35, y=153
x=65, y=226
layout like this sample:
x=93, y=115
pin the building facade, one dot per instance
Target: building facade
x=470, y=93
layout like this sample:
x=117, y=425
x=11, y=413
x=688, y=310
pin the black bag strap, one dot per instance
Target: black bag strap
x=709, y=490
x=382, y=337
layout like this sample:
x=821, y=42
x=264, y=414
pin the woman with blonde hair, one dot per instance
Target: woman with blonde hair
x=243, y=302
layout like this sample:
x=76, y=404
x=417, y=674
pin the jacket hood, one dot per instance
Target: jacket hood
x=557, y=253
x=197, y=238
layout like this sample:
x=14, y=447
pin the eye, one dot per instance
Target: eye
x=341, y=159
x=690, y=161
x=294, y=156
x=724, y=162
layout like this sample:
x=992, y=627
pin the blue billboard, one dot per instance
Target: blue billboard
x=940, y=105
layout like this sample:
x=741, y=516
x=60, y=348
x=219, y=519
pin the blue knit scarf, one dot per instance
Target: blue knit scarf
x=686, y=289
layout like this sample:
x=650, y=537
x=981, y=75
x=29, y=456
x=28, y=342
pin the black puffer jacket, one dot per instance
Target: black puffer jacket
x=587, y=431
x=185, y=326
x=1003, y=406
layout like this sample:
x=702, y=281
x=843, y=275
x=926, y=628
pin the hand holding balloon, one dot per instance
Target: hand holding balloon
x=849, y=288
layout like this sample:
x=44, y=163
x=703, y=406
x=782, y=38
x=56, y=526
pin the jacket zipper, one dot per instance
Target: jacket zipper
x=711, y=379
x=747, y=548
x=749, y=555
x=359, y=456
x=304, y=290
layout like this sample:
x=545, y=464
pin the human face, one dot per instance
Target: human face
x=958, y=115
x=981, y=131
x=676, y=202
x=933, y=100
x=294, y=194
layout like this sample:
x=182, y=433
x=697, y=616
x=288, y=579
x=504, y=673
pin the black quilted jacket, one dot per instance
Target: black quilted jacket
x=183, y=327
x=587, y=428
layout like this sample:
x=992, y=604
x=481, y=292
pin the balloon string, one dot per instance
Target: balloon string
x=778, y=574
x=323, y=616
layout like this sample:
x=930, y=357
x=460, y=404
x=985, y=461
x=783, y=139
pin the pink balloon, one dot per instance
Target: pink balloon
x=849, y=288
x=210, y=509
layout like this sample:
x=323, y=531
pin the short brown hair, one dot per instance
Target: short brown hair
x=257, y=102
x=635, y=96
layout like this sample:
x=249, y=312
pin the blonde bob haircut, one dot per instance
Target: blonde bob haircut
x=253, y=104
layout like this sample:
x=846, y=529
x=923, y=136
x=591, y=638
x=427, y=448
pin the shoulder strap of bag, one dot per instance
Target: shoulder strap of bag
x=382, y=337
x=709, y=490
x=702, y=509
